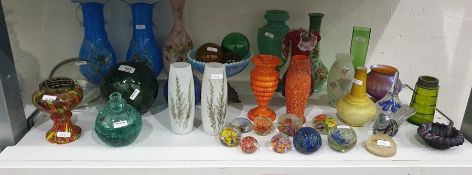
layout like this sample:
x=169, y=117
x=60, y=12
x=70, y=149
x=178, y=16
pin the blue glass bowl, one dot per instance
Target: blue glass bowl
x=232, y=69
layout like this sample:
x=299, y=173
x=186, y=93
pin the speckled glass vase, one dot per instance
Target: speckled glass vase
x=178, y=41
x=340, y=78
x=181, y=98
x=297, y=87
x=59, y=96
x=214, y=98
x=118, y=124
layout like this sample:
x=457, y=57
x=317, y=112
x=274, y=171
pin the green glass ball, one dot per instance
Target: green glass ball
x=235, y=45
x=134, y=81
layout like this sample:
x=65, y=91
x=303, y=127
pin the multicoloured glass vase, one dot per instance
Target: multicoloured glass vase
x=59, y=96
x=143, y=47
x=178, y=41
x=271, y=35
x=95, y=49
x=118, y=124
x=307, y=140
x=319, y=71
x=264, y=80
x=297, y=87
x=136, y=83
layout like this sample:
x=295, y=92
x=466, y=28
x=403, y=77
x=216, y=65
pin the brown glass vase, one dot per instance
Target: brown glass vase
x=298, y=85
x=59, y=96
x=264, y=81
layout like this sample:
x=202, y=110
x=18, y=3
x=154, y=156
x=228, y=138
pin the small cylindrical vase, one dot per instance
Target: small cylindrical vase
x=181, y=98
x=264, y=81
x=356, y=108
x=214, y=98
x=340, y=78
x=297, y=85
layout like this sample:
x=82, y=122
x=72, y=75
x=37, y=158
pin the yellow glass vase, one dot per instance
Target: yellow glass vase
x=356, y=108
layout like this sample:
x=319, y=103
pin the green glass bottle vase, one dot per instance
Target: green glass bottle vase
x=118, y=124
x=424, y=100
x=359, y=45
x=271, y=35
x=318, y=70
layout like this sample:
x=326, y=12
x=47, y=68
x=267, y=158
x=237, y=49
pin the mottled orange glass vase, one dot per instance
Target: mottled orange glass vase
x=264, y=81
x=59, y=96
x=297, y=85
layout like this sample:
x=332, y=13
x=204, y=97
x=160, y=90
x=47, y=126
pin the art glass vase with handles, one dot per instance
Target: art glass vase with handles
x=143, y=46
x=58, y=96
x=178, y=41
x=96, y=49
x=118, y=124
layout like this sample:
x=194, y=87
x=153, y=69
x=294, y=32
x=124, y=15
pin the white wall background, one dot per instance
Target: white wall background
x=419, y=37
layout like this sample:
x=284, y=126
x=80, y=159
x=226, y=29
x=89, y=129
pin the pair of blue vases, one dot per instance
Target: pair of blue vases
x=97, y=51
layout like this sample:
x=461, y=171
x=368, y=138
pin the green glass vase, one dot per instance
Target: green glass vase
x=424, y=100
x=359, y=45
x=118, y=124
x=136, y=83
x=271, y=35
x=319, y=71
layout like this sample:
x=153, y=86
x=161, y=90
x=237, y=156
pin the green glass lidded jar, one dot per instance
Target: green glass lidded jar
x=271, y=35
x=136, y=83
x=424, y=100
x=118, y=124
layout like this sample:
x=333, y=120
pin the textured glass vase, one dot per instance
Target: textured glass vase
x=118, y=124
x=270, y=36
x=340, y=78
x=95, y=49
x=297, y=87
x=178, y=41
x=319, y=71
x=424, y=100
x=135, y=81
x=214, y=98
x=359, y=45
x=181, y=98
x=143, y=46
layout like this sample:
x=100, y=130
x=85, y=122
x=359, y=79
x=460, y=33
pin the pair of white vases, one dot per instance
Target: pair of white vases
x=181, y=98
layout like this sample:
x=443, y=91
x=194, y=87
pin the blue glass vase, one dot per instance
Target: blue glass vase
x=95, y=49
x=143, y=47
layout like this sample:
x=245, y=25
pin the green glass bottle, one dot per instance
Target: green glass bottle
x=424, y=100
x=319, y=71
x=359, y=45
x=118, y=124
x=271, y=35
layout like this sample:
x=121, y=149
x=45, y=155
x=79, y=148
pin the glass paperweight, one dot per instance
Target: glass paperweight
x=281, y=143
x=342, y=138
x=118, y=124
x=249, y=145
x=381, y=145
x=262, y=126
x=289, y=124
x=230, y=137
x=70, y=68
x=322, y=123
x=243, y=124
x=307, y=140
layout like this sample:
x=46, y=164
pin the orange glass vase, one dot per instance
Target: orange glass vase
x=264, y=81
x=298, y=85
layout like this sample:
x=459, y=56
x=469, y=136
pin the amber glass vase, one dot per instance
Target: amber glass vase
x=297, y=86
x=264, y=81
x=59, y=96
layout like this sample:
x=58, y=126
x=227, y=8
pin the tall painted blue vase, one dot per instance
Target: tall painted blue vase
x=96, y=50
x=143, y=47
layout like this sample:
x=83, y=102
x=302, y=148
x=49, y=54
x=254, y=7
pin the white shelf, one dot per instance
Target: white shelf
x=158, y=149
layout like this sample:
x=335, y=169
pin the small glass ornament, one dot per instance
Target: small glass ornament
x=230, y=137
x=118, y=124
x=289, y=124
x=342, y=138
x=281, y=143
x=262, y=126
x=244, y=125
x=323, y=123
x=249, y=145
x=307, y=140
